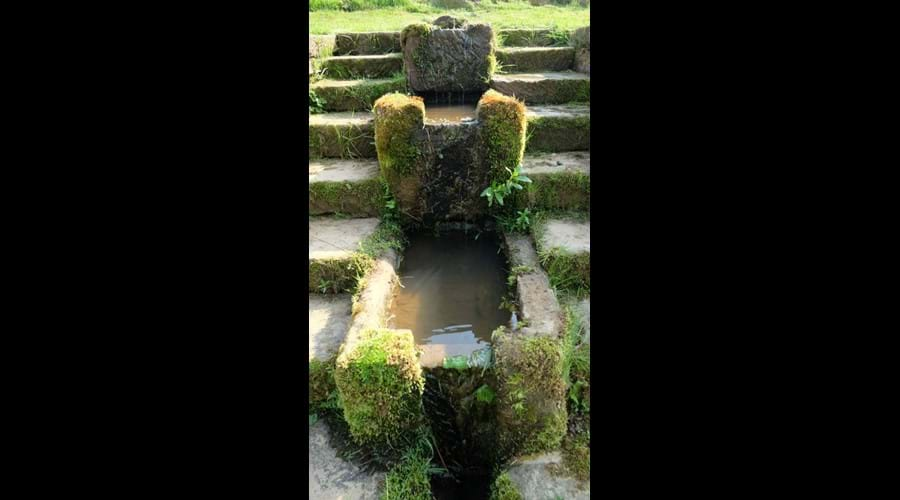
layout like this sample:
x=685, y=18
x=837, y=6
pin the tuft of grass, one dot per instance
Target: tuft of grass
x=410, y=479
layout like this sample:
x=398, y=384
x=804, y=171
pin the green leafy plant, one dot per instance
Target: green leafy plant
x=316, y=103
x=485, y=394
x=497, y=191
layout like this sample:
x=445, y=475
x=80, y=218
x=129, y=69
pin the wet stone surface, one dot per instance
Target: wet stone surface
x=332, y=477
x=329, y=320
x=539, y=478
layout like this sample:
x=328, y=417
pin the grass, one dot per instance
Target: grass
x=500, y=15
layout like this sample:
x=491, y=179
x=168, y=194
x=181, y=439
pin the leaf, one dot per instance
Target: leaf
x=487, y=191
x=313, y=418
x=517, y=187
x=499, y=198
x=524, y=179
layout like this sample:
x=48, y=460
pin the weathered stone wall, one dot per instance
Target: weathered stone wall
x=448, y=60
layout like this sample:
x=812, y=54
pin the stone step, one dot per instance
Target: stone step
x=332, y=477
x=536, y=478
x=355, y=95
x=561, y=181
x=530, y=38
x=329, y=321
x=373, y=66
x=333, y=247
x=545, y=88
x=558, y=128
x=367, y=43
x=342, y=135
x=351, y=187
x=535, y=59
x=565, y=242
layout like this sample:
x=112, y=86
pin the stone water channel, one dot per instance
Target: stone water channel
x=430, y=311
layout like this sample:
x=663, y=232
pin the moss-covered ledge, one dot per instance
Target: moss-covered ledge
x=380, y=384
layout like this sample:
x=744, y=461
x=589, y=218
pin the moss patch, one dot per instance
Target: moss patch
x=346, y=275
x=520, y=61
x=531, y=411
x=380, y=384
x=341, y=141
x=358, y=198
x=556, y=191
x=568, y=272
x=352, y=68
x=398, y=118
x=576, y=454
x=322, y=390
x=504, y=489
x=360, y=97
x=559, y=133
x=500, y=140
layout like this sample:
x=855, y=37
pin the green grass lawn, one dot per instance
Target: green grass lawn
x=500, y=15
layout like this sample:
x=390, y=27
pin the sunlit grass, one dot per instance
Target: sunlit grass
x=500, y=15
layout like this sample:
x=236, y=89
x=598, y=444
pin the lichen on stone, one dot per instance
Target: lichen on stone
x=380, y=384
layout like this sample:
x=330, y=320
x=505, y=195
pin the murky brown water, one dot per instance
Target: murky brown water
x=454, y=113
x=452, y=288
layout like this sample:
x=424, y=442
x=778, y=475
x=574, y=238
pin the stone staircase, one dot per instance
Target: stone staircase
x=346, y=191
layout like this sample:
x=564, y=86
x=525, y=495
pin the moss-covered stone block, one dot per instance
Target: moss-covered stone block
x=380, y=384
x=399, y=121
x=500, y=139
x=531, y=408
x=448, y=60
x=372, y=66
x=363, y=198
x=559, y=128
x=368, y=43
x=355, y=95
x=528, y=59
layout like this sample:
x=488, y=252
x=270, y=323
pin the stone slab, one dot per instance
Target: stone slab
x=558, y=128
x=552, y=163
x=342, y=135
x=536, y=479
x=330, y=477
x=537, y=301
x=336, y=170
x=329, y=320
x=572, y=237
x=331, y=238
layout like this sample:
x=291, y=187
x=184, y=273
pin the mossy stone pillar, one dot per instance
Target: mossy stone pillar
x=399, y=121
x=531, y=395
x=500, y=140
x=380, y=384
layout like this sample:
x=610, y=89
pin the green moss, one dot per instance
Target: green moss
x=556, y=191
x=380, y=384
x=504, y=489
x=322, y=390
x=360, y=97
x=559, y=133
x=420, y=29
x=576, y=454
x=569, y=273
x=398, y=118
x=531, y=411
x=359, y=198
x=410, y=479
x=500, y=140
x=347, y=275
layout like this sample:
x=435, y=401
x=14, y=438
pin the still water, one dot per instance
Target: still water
x=452, y=288
x=449, y=113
